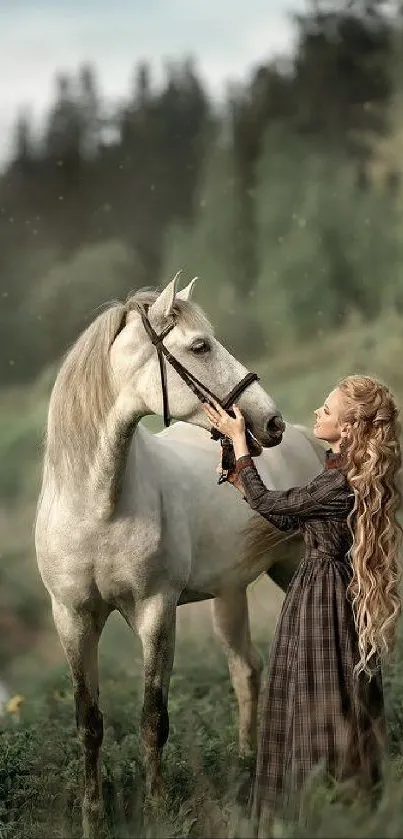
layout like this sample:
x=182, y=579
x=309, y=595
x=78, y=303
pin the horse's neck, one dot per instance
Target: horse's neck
x=120, y=435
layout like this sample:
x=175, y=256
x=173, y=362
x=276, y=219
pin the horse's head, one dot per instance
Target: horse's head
x=136, y=371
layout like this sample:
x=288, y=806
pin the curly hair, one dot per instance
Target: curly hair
x=372, y=458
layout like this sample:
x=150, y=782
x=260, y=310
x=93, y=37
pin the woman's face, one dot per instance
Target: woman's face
x=327, y=426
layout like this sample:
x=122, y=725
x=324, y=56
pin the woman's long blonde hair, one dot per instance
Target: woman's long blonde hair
x=372, y=456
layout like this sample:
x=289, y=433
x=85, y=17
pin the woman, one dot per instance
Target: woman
x=322, y=700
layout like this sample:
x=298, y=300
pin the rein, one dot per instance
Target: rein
x=199, y=389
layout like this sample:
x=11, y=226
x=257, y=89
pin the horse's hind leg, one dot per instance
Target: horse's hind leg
x=231, y=624
x=154, y=619
x=79, y=633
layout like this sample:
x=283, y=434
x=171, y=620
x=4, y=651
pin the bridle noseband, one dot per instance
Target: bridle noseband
x=199, y=389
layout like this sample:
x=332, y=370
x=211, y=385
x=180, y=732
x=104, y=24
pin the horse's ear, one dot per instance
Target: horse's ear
x=186, y=293
x=163, y=305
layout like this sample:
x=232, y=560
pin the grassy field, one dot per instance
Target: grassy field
x=40, y=763
x=40, y=766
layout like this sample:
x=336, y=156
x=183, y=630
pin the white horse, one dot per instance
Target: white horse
x=135, y=522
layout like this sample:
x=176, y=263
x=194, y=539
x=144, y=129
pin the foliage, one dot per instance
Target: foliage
x=120, y=195
x=40, y=758
x=325, y=249
x=214, y=244
x=41, y=765
x=78, y=287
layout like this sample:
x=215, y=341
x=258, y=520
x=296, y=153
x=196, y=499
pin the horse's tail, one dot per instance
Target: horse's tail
x=261, y=538
x=283, y=550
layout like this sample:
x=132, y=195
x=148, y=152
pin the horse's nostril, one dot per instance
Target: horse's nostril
x=275, y=425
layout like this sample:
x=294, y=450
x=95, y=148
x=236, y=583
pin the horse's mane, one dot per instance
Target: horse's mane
x=83, y=392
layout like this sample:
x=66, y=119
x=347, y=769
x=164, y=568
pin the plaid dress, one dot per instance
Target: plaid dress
x=311, y=710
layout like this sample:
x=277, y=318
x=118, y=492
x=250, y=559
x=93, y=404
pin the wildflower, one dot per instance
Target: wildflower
x=14, y=704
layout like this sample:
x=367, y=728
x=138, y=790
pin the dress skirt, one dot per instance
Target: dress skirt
x=312, y=709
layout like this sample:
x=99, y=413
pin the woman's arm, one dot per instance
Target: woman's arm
x=284, y=523
x=324, y=497
x=299, y=503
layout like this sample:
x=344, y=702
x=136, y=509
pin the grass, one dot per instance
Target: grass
x=40, y=761
x=41, y=771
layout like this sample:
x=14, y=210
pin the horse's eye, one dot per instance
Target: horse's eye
x=200, y=346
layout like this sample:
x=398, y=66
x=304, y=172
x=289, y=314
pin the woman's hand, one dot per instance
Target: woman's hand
x=234, y=428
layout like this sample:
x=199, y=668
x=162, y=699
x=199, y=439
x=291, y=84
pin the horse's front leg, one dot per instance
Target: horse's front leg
x=154, y=619
x=79, y=633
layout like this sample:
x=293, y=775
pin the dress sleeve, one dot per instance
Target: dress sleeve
x=298, y=503
x=284, y=523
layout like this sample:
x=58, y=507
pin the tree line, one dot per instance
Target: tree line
x=270, y=197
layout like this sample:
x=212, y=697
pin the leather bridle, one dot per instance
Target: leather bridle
x=199, y=389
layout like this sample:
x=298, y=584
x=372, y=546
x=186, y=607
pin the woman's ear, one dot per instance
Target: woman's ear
x=345, y=430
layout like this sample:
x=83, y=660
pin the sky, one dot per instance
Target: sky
x=40, y=37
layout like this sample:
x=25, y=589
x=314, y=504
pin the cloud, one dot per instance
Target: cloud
x=226, y=37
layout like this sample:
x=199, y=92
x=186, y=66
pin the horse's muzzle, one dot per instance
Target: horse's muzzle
x=274, y=430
